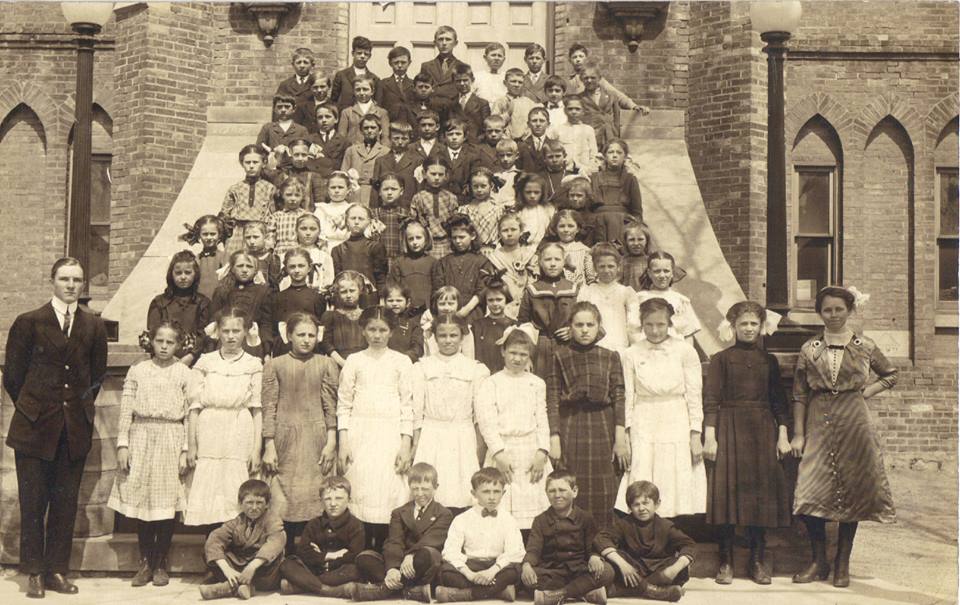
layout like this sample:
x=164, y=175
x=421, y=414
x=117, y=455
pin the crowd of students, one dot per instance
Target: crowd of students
x=456, y=361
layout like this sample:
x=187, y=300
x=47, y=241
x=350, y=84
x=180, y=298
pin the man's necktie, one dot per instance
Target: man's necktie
x=66, y=323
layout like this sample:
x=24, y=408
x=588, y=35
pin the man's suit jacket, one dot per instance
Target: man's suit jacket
x=391, y=96
x=444, y=82
x=53, y=381
x=534, y=90
x=604, y=116
x=403, y=169
x=303, y=93
x=349, y=126
x=333, y=151
x=460, y=169
x=412, y=108
x=341, y=87
x=528, y=158
x=473, y=113
x=407, y=534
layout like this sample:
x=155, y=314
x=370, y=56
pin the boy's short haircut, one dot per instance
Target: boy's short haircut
x=422, y=471
x=604, y=249
x=335, y=482
x=429, y=113
x=539, y=109
x=330, y=107
x=303, y=52
x=492, y=47
x=369, y=117
x=445, y=29
x=425, y=78
x=401, y=128
x=364, y=78
x=322, y=79
x=555, y=81
x=398, y=51
x=639, y=489
x=562, y=475
x=463, y=70
x=455, y=123
x=254, y=225
x=487, y=474
x=255, y=488
x=494, y=120
x=504, y=145
x=553, y=145
x=535, y=49
x=361, y=43
x=575, y=47
x=513, y=71
x=592, y=65
x=284, y=99
x=572, y=98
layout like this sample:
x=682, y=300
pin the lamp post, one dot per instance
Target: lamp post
x=776, y=20
x=86, y=19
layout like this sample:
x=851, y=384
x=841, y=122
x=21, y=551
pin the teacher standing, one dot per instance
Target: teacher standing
x=56, y=358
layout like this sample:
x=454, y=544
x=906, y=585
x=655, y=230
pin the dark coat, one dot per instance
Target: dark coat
x=404, y=169
x=444, y=82
x=473, y=113
x=392, y=95
x=53, y=381
x=341, y=87
x=407, y=534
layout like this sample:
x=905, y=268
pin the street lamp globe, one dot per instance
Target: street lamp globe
x=775, y=15
x=87, y=16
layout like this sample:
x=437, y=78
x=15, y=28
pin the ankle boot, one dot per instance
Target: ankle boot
x=344, y=591
x=216, y=591
x=417, y=593
x=818, y=569
x=725, y=545
x=144, y=573
x=758, y=546
x=670, y=593
x=287, y=588
x=549, y=597
x=445, y=594
x=508, y=594
x=841, y=564
x=245, y=592
x=161, y=572
x=597, y=596
x=371, y=592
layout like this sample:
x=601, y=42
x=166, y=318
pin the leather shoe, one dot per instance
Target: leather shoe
x=35, y=589
x=58, y=582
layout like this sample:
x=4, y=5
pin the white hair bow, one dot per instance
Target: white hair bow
x=860, y=299
x=527, y=328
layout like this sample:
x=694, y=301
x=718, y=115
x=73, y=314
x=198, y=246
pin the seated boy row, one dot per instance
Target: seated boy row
x=477, y=554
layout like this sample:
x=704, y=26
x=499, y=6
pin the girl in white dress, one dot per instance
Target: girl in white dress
x=617, y=303
x=375, y=423
x=565, y=228
x=333, y=223
x=662, y=273
x=225, y=422
x=664, y=415
x=444, y=387
x=512, y=417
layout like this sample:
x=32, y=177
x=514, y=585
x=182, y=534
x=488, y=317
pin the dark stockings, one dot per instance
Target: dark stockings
x=154, y=539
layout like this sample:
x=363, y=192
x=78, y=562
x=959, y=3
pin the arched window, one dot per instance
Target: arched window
x=947, y=215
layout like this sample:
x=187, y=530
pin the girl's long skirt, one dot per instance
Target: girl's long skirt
x=295, y=489
x=610, y=222
x=151, y=490
x=543, y=356
x=747, y=485
x=524, y=500
x=224, y=444
x=376, y=488
x=586, y=441
x=660, y=444
x=451, y=447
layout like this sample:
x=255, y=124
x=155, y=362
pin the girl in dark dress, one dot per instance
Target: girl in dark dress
x=341, y=333
x=745, y=433
x=407, y=337
x=362, y=254
x=182, y=303
x=465, y=268
x=237, y=289
x=488, y=330
x=546, y=304
x=414, y=268
x=297, y=297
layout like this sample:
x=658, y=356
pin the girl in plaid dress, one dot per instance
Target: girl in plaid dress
x=481, y=209
x=252, y=199
x=389, y=215
x=283, y=223
x=585, y=409
x=433, y=205
x=566, y=228
x=151, y=450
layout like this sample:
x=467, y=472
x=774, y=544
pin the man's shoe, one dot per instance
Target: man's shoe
x=549, y=597
x=35, y=588
x=420, y=594
x=144, y=574
x=58, y=582
x=217, y=591
x=670, y=593
x=161, y=575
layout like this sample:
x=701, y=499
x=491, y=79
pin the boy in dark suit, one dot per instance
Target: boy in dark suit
x=462, y=159
x=486, y=148
x=412, y=552
x=275, y=137
x=443, y=67
x=394, y=91
x=535, y=56
x=401, y=161
x=469, y=107
x=422, y=100
x=306, y=114
x=428, y=126
x=299, y=84
x=327, y=147
x=56, y=358
x=341, y=91
x=531, y=147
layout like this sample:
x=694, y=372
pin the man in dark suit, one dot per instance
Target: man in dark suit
x=56, y=359
x=411, y=553
x=299, y=85
x=393, y=91
x=442, y=68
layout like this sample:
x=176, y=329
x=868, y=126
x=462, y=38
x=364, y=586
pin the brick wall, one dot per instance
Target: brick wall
x=655, y=75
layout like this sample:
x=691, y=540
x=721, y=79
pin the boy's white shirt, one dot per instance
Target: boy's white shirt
x=472, y=535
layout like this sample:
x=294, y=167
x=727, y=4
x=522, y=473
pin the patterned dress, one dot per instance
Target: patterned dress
x=664, y=384
x=485, y=216
x=546, y=304
x=432, y=207
x=536, y=220
x=374, y=408
x=841, y=475
x=634, y=271
x=299, y=406
x=578, y=264
x=512, y=417
x=152, y=426
x=744, y=400
x=444, y=390
x=391, y=217
x=585, y=403
x=283, y=225
x=248, y=200
x=333, y=222
x=191, y=311
x=520, y=268
x=465, y=271
x=224, y=391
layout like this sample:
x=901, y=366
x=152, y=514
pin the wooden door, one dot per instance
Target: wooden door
x=412, y=24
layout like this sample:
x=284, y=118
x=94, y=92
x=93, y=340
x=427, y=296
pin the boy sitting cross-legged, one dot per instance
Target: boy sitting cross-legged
x=483, y=547
x=324, y=563
x=559, y=563
x=411, y=555
x=245, y=552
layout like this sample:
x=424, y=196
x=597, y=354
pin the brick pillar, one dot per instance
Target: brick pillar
x=162, y=76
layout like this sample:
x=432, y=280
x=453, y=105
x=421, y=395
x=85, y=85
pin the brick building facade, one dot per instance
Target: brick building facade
x=871, y=98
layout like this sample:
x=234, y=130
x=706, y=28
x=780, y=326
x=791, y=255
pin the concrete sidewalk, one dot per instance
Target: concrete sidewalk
x=700, y=591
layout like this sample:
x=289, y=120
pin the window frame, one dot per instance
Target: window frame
x=834, y=268
x=951, y=306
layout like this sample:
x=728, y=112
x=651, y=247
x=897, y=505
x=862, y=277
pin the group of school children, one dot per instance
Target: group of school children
x=391, y=332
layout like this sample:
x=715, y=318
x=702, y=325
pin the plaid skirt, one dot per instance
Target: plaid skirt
x=586, y=441
x=151, y=490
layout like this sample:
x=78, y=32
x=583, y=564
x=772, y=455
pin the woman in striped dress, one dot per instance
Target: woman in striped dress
x=841, y=476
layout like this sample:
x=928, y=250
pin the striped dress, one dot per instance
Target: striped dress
x=841, y=475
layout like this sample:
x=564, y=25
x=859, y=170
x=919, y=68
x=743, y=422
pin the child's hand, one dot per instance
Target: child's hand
x=123, y=459
x=502, y=462
x=406, y=567
x=528, y=575
x=555, y=452
x=192, y=457
x=270, y=457
x=182, y=465
x=246, y=576
x=485, y=577
x=404, y=459
x=272, y=161
x=393, y=579
x=595, y=566
x=562, y=334
x=631, y=577
x=253, y=463
x=621, y=452
x=696, y=448
x=710, y=448
x=783, y=447
x=345, y=457
x=797, y=445
x=642, y=109
x=536, y=466
x=232, y=575
x=328, y=457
